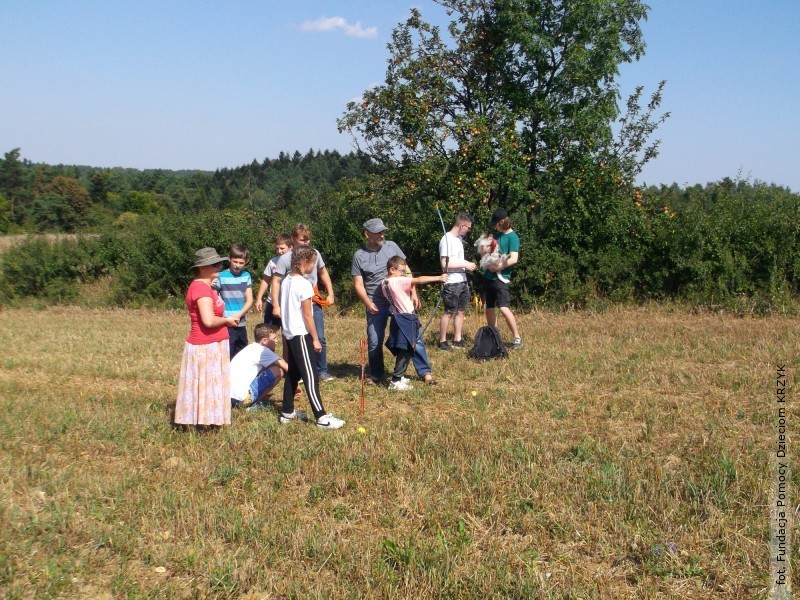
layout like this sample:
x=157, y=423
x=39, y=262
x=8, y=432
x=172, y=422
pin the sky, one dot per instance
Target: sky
x=211, y=84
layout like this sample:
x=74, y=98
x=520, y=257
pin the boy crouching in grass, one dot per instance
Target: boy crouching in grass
x=403, y=340
x=301, y=341
x=256, y=369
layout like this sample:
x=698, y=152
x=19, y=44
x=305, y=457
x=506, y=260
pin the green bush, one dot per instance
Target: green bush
x=715, y=245
x=52, y=270
x=729, y=245
x=151, y=258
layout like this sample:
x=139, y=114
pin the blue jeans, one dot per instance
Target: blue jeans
x=263, y=381
x=376, y=333
x=319, y=323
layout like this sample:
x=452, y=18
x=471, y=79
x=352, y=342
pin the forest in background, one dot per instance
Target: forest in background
x=37, y=197
x=730, y=244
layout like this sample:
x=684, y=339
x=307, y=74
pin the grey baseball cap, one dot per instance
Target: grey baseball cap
x=374, y=226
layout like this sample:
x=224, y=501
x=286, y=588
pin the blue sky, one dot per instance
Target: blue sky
x=202, y=85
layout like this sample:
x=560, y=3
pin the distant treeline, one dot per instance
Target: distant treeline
x=730, y=244
x=47, y=198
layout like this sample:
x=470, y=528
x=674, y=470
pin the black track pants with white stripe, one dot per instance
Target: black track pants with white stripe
x=302, y=363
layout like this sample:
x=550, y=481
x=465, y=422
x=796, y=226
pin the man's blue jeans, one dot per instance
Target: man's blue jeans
x=376, y=334
x=319, y=323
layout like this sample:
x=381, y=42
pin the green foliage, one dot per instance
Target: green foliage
x=5, y=214
x=12, y=178
x=728, y=240
x=73, y=198
x=515, y=107
x=729, y=244
x=510, y=104
x=52, y=212
x=151, y=257
x=52, y=270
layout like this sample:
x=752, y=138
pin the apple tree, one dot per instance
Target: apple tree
x=516, y=105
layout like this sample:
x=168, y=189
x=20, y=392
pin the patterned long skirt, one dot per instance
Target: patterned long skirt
x=204, y=385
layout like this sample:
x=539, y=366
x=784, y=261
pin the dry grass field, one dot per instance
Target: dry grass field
x=8, y=242
x=623, y=454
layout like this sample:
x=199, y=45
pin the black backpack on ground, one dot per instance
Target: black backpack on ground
x=488, y=344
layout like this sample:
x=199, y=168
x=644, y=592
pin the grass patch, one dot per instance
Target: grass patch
x=621, y=454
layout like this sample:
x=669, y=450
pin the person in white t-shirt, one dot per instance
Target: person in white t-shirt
x=283, y=244
x=256, y=369
x=319, y=278
x=301, y=340
x=455, y=292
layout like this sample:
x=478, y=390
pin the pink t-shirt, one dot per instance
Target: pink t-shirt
x=398, y=292
x=200, y=334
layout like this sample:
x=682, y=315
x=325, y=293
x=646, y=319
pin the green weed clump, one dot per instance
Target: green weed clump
x=622, y=454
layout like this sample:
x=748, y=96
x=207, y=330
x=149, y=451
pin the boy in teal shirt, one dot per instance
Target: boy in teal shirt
x=236, y=290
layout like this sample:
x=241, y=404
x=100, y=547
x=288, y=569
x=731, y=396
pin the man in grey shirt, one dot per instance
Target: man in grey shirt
x=368, y=271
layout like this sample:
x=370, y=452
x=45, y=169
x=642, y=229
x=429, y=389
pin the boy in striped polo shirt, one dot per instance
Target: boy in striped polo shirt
x=236, y=290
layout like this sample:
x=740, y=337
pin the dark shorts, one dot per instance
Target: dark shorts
x=497, y=294
x=269, y=318
x=455, y=297
x=238, y=339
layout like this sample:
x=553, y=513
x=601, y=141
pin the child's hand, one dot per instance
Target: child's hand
x=259, y=305
x=233, y=321
x=317, y=346
x=471, y=266
x=443, y=278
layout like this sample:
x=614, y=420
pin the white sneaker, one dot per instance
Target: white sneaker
x=401, y=386
x=330, y=422
x=296, y=415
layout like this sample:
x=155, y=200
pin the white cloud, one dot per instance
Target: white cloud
x=333, y=23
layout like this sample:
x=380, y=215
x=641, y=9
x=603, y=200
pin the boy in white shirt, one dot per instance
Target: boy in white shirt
x=283, y=244
x=455, y=291
x=256, y=369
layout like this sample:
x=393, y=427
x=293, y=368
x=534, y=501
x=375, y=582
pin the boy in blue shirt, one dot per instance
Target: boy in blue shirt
x=236, y=290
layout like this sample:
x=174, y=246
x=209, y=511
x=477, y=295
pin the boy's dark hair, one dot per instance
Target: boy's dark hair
x=396, y=262
x=504, y=224
x=263, y=330
x=301, y=255
x=283, y=238
x=239, y=251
